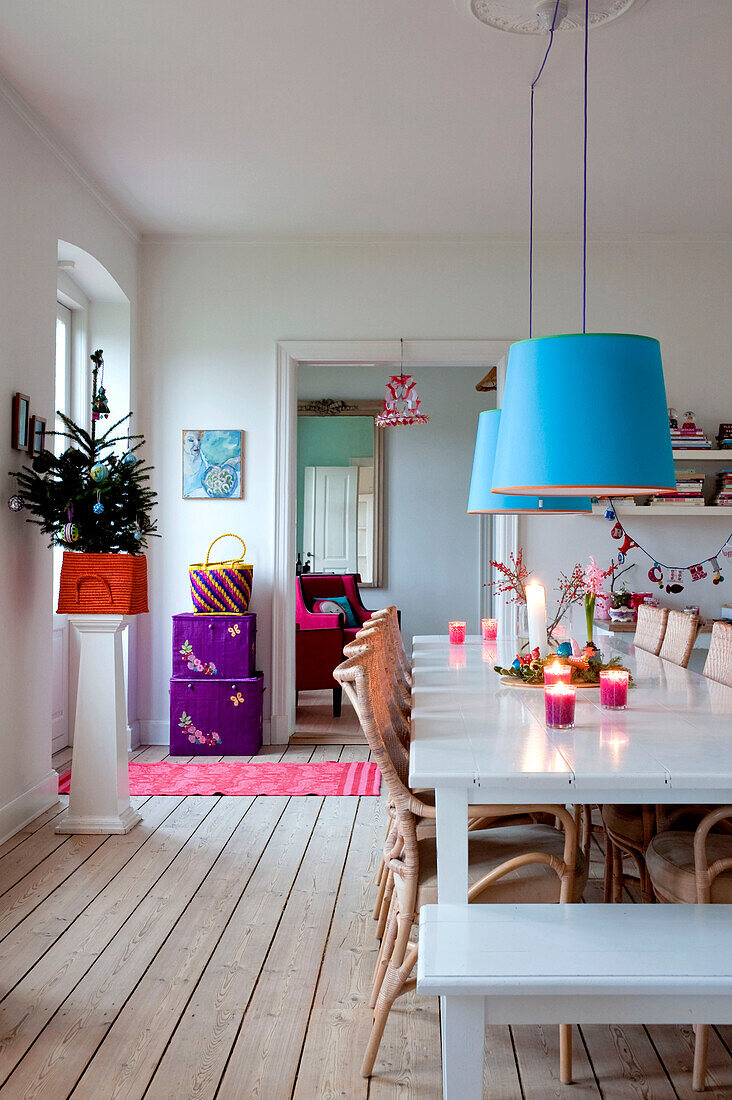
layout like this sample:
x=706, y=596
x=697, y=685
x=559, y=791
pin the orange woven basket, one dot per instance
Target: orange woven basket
x=103, y=584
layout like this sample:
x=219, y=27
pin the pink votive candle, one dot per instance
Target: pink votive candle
x=559, y=700
x=489, y=629
x=557, y=673
x=614, y=689
x=456, y=631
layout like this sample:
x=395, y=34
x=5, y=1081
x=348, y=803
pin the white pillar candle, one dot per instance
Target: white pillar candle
x=536, y=612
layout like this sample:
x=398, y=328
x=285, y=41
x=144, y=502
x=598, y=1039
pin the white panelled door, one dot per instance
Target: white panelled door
x=330, y=518
x=62, y=397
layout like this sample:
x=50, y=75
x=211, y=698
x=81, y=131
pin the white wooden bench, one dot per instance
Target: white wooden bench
x=552, y=964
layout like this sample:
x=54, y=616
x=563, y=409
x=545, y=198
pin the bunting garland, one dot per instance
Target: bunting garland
x=670, y=577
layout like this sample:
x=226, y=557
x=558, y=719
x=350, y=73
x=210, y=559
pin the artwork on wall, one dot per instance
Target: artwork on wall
x=21, y=416
x=213, y=464
x=36, y=435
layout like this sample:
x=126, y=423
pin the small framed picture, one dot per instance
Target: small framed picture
x=213, y=464
x=36, y=435
x=21, y=417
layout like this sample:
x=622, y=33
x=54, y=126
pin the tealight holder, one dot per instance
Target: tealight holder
x=614, y=689
x=456, y=632
x=489, y=629
x=559, y=704
x=557, y=673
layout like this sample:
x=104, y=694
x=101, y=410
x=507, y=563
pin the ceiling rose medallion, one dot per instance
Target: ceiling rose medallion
x=528, y=17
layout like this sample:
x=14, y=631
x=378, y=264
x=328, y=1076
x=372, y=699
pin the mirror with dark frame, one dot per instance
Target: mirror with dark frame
x=340, y=488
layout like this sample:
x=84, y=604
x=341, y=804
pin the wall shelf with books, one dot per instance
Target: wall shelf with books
x=698, y=454
x=698, y=511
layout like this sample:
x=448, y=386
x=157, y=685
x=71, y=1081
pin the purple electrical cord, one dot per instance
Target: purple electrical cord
x=584, y=177
x=531, y=173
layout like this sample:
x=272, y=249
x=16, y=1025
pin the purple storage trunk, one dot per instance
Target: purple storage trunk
x=216, y=717
x=214, y=646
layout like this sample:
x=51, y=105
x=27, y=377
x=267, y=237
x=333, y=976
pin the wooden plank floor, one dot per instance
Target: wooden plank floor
x=315, y=724
x=224, y=949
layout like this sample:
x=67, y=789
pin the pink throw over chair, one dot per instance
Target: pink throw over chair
x=320, y=638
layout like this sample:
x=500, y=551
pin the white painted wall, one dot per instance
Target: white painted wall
x=431, y=543
x=212, y=313
x=43, y=200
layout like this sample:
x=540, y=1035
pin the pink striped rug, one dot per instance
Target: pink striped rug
x=235, y=778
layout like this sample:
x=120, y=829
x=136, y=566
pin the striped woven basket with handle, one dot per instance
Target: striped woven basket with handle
x=221, y=587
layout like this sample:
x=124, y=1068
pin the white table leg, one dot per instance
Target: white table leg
x=451, y=811
x=100, y=784
x=463, y=1036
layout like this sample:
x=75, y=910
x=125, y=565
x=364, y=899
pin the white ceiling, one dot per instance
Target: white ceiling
x=322, y=118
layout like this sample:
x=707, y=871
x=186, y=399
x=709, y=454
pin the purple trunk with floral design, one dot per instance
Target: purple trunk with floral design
x=214, y=645
x=216, y=717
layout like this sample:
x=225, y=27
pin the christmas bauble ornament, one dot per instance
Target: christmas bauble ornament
x=138, y=534
x=71, y=532
x=98, y=508
x=99, y=473
x=16, y=503
x=129, y=459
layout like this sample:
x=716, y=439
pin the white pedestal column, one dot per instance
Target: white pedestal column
x=100, y=784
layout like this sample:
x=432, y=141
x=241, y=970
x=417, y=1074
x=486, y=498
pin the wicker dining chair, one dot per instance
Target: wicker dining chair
x=718, y=665
x=375, y=636
x=690, y=867
x=396, y=641
x=650, y=628
x=678, y=641
x=534, y=862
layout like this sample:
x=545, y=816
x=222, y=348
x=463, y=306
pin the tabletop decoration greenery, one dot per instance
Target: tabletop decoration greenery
x=586, y=669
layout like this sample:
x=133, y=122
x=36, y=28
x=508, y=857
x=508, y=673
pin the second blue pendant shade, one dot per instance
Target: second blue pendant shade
x=481, y=497
x=584, y=413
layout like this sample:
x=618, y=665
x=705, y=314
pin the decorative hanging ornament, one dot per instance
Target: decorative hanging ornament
x=674, y=585
x=98, y=507
x=71, y=532
x=401, y=403
x=697, y=572
x=610, y=513
x=655, y=574
x=16, y=503
x=100, y=404
x=99, y=472
x=717, y=577
x=129, y=459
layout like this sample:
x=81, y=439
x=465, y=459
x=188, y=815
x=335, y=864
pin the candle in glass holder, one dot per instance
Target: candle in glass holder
x=557, y=673
x=614, y=689
x=559, y=701
x=456, y=632
x=489, y=629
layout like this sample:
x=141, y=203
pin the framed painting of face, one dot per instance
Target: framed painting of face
x=213, y=464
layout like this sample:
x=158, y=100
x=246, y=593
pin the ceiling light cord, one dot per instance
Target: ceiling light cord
x=584, y=175
x=534, y=82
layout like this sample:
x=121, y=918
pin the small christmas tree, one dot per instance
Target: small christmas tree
x=89, y=498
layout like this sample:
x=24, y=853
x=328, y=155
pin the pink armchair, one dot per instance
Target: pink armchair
x=320, y=638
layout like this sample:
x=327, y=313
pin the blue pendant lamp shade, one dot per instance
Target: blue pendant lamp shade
x=482, y=499
x=584, y=413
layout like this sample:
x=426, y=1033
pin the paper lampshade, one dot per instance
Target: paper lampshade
x=482, y=499
x=584, y=413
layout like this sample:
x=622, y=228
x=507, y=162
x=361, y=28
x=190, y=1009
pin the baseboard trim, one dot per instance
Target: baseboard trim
x=279, y=730
x=28, y=805
x=157, y=732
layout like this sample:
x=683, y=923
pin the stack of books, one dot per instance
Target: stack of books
x=689, y=490
x=722, y=496
x=724, y=437
x=690, y=438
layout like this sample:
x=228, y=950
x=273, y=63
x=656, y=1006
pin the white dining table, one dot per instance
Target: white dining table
x=477, y=740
